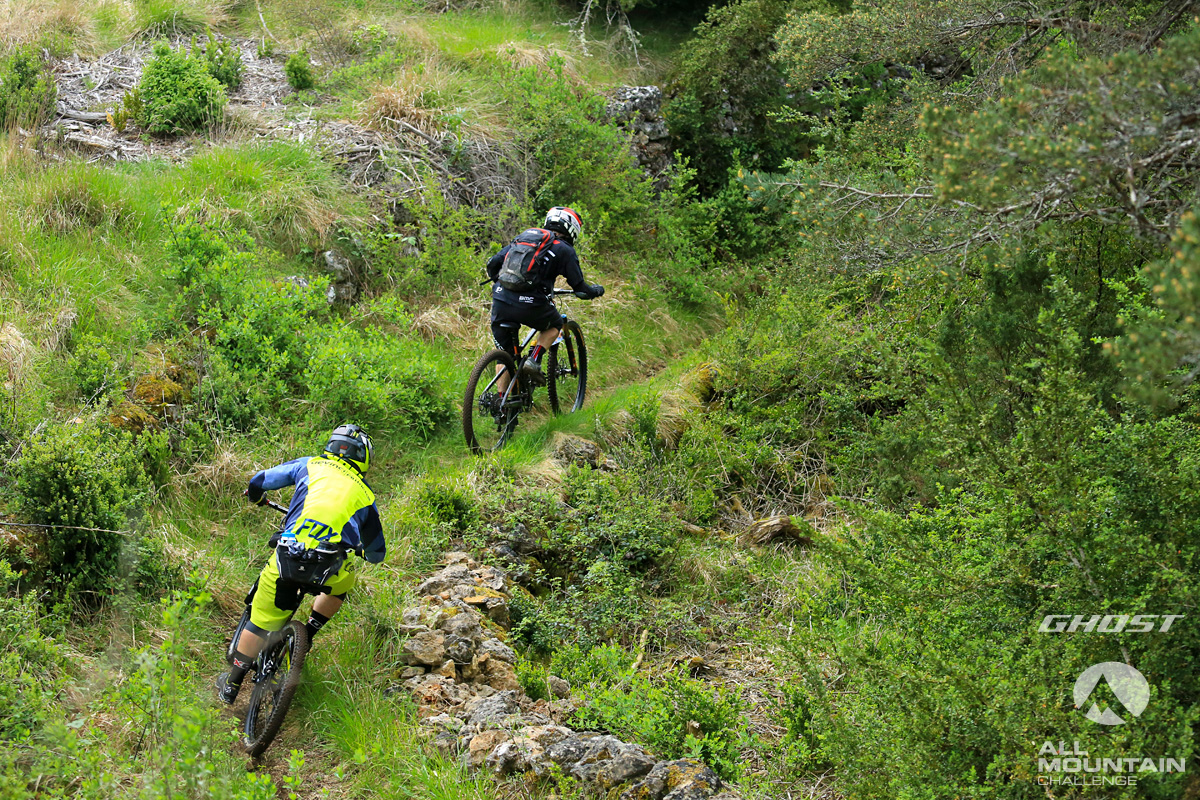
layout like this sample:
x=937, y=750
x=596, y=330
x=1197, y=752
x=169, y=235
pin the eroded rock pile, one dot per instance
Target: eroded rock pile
x=463, y=677
x=638, y=109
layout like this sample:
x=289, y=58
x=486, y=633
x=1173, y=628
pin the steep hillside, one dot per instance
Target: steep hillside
x=890, y=440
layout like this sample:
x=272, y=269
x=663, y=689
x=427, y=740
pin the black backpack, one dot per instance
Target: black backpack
x=524, y=261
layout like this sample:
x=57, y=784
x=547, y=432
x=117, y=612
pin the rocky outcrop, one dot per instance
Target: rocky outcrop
x=463, y=678
x=638, y=109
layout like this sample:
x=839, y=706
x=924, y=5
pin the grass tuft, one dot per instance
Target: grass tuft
x=155, y=18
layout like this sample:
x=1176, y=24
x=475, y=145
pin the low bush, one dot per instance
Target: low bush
x=177, y=93
x=534, y=679
x=299, y=71
x=275, y=341
x=82, y=475
x=224, y=60
x=32, y=665
x=27, y=89
x=449, y=504
x=95, y=370
x=666, y=714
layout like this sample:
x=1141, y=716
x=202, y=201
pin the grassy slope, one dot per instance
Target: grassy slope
x=88, y=240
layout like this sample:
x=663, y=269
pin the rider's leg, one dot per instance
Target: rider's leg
x=544, y=340
x=325, y=606
x=323, y=609
x=273, y=604
x=506, y=339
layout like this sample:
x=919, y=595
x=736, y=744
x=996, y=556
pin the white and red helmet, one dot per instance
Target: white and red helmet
x=564, y=220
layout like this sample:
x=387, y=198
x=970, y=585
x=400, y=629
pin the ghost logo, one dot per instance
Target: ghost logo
x=1126, y=684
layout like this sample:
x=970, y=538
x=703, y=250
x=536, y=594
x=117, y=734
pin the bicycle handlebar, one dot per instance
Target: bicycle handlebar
x=272, y=504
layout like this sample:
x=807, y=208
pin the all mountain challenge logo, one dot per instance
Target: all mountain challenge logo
x=1111, y=693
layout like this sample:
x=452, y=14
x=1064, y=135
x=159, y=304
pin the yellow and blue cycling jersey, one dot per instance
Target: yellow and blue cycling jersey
x=332, y=504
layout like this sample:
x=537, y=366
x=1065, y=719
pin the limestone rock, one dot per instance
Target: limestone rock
x=425, y=649
x=608, y=761
x=445, y=670
x=492, y=711
x=575, y=450
x=462, y=626
x=638, y=109
x=482, y=744
x=558, y=687
x=498, y=649
x=460, y=649
x=685, y=779
x=515, y=756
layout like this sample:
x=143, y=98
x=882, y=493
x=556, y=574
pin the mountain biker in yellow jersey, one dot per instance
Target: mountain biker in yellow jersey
x=523, y=275
x=332, y=505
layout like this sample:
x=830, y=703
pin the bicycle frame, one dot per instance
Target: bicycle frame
x=529, y=337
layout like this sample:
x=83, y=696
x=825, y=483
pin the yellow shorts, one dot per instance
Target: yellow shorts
x=275, y=600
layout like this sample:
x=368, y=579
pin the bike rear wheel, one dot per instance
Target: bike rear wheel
x=273, y=690
x=487, y=424
x=568, y=370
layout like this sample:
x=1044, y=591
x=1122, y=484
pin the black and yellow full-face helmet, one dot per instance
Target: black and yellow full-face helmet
x=350, y=443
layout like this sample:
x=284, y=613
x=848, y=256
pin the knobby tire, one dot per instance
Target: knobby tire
x=566, y=390
x=258, y=737
x=481, y=376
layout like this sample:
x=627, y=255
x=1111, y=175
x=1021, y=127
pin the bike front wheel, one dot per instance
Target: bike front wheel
x=488, y=417
x=568, y=370
x=274, y=688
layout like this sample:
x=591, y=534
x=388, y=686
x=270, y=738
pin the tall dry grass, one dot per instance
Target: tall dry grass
x=42, y=21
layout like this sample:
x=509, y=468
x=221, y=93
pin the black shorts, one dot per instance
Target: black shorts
x=541, y=317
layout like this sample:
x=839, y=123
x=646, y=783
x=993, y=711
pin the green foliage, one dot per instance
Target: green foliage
x=161, y=696
x=449, y=504
x=278, y=339
x=1160, y=319
x=82, y=475
x=177, y=93
x=584, y=159
x=443, y=245
x=27, y=89
x=728, y=91
x=95, y=370
x=658, y=713
x=224, y=60
x=32, y=667
x=299, y=72
x=599, y=667
x=534, y=680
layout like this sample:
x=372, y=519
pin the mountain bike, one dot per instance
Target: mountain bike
x=276, y=671
x=490, y=413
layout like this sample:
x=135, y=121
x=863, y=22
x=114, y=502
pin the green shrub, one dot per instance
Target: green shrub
x=27, y=89
x=224, y=60
x=375, y=379
x=584, y=158
x=449, y=504
x=598, y=667
x=95, y=369
x=177, y=93
x=443, y=246
x=274, y=341
x=32, y=665
x=83, y=475
x=299, y=71
x=534, y=679
x=658, y=713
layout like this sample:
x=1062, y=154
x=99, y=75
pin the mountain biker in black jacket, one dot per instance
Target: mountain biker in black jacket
x=536, y=308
